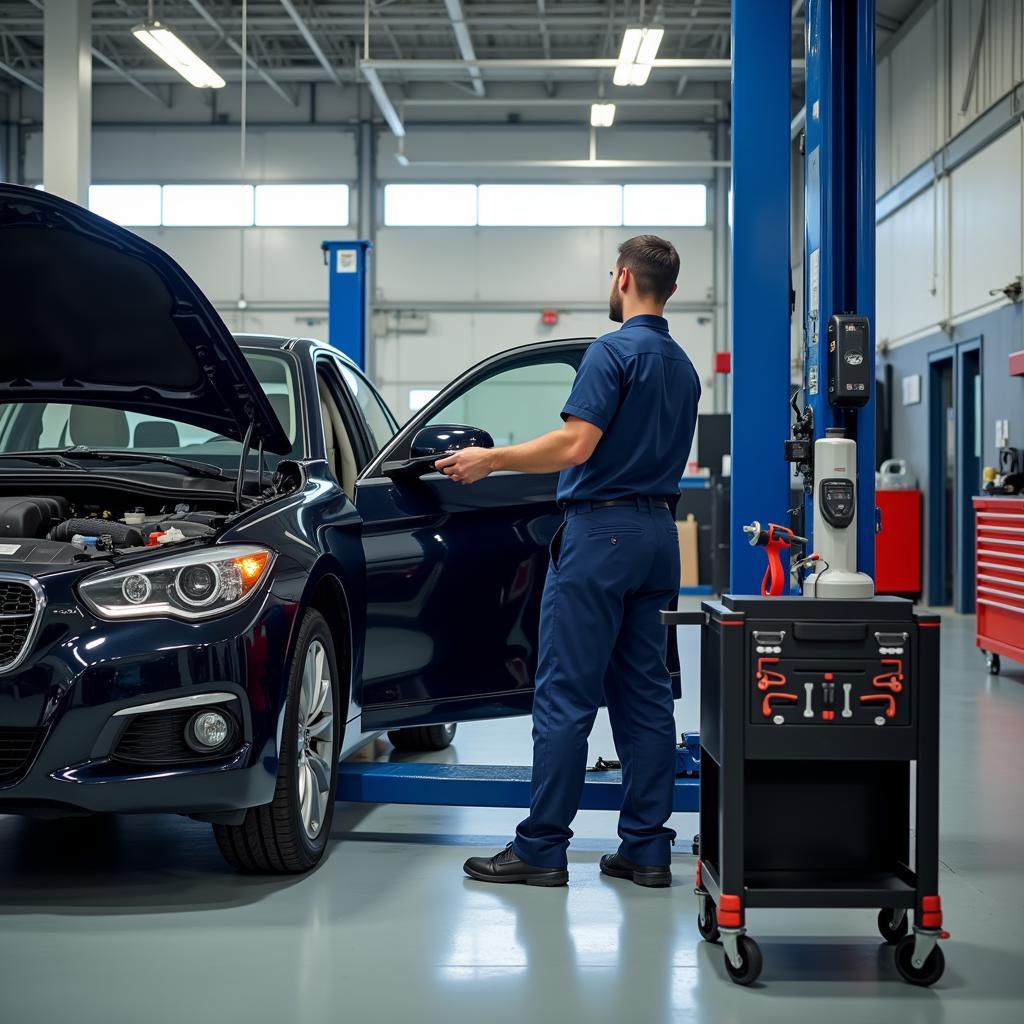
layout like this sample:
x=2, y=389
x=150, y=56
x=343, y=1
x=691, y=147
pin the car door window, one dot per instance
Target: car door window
x=338, y=447
x=380, y=424
x=514, y=404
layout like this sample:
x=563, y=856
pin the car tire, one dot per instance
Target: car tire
x=289, y=835
x=423, y=737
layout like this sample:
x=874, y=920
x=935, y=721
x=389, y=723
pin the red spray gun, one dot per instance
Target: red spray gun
x=776, y=538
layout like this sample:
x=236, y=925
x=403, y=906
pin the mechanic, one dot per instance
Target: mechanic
x=628, y=427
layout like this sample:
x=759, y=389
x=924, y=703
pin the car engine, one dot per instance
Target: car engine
x=84, y=528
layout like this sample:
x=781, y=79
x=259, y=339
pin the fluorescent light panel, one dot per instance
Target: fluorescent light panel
x=637, y=54
x=602, y=115
x=173, y=52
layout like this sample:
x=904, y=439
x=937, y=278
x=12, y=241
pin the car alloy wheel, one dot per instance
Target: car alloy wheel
x=315, y=751
x=290, y=834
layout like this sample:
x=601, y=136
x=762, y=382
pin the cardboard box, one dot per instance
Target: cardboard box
x=687, y=530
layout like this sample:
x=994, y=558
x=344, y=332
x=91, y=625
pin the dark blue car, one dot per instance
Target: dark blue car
x=180, y=634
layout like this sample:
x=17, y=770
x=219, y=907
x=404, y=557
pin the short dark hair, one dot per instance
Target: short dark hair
x=653, y=262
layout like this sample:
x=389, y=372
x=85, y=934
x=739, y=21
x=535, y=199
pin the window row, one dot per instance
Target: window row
x=425, y=205
x=222, y=205
x=545, y=205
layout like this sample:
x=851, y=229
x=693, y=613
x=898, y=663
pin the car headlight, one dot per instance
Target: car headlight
x=196, y=585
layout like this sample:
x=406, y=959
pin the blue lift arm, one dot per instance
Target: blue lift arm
x=839, y=210
x=761, y=155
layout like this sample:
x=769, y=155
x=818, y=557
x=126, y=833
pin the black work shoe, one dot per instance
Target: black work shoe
x=507, y=867
x=617, y=866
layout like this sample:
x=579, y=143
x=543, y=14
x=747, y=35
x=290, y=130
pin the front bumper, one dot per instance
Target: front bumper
x=81, y=670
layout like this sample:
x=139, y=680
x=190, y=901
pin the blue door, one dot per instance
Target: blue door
x=454, y=572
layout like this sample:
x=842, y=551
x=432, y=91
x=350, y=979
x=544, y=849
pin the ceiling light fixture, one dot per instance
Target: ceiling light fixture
x=172, y=51
x=636, y=57
x=602, y=115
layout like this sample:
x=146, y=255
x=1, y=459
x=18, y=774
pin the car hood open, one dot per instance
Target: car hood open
x=93, y=314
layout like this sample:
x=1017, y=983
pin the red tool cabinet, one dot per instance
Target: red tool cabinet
x=898, y=546
x=999, y=533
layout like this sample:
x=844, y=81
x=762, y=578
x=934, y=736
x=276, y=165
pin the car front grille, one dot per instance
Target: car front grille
x=18, y=610
x=16, y=745
x=158, y=737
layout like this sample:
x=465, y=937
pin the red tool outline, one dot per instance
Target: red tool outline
x=870, y=698
x=766, y=704
x=893, y=680
x=766, y=677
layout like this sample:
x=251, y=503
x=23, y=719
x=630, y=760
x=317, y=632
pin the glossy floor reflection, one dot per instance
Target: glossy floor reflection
x=136, y=919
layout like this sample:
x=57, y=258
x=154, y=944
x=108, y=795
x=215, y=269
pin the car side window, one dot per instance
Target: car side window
x=515, y=404
x=338, y=446
x=380, y=424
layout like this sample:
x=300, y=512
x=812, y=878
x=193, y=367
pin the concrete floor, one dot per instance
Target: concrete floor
x=137, y=919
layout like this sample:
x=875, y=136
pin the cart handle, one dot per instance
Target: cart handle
x=670, y=617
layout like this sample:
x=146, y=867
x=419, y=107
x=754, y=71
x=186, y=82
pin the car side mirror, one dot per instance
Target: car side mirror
x=433, y=442
x=440, y=438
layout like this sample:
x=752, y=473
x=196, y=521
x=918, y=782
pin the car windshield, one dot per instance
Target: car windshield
x=39, y=426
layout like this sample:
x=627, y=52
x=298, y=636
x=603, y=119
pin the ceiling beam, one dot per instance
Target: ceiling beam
x=24, y=79
x=311, y=42
x=216, y=26
x=384, y=104
x=540, y=64
x=465, y=43
x=124, y=73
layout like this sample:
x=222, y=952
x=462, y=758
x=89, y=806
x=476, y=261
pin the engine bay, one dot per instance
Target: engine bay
x=87, y=528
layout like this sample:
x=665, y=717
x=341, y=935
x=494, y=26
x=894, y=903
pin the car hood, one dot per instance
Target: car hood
x=93, y=314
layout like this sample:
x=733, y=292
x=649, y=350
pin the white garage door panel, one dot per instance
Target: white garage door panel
x=915, y=85
x=212, y=155
x=208, y=255
x=542, y=265
x=287, y=264
x=911, y=263
x=415, y=264
x=884, y=320
x=986, y=223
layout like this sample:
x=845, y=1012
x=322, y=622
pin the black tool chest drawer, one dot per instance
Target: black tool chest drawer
x=820, y=677
x=812, y=679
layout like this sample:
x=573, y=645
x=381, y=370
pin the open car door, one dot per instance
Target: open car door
x=455, y=572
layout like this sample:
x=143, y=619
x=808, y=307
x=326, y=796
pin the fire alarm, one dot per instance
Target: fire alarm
x=723, y=362
x=549, y=317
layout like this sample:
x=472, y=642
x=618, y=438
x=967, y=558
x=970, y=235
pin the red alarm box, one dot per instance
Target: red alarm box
x=898, y=546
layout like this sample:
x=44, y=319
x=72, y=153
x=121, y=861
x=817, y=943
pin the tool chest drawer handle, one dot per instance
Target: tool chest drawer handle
x=830, y=631
x=989, y=578
x=989, y=539
x=999, y=604
x=991, y=553
x=1003, y=593
x=1017, y=569
x=1017, y=517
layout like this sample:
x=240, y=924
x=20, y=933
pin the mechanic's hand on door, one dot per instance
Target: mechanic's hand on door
x=468, y=465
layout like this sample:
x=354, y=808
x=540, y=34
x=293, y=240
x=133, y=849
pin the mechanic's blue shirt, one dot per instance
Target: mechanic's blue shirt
x=641, y=389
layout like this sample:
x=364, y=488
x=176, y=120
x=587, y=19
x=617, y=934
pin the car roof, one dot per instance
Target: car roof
x=286, y=344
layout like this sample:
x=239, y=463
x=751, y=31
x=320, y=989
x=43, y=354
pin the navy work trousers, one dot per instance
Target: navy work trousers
x=611, y=571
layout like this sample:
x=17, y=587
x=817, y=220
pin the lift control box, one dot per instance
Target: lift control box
x=849, y=363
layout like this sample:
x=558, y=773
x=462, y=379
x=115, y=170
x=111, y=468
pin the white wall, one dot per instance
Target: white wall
x=940, y=255
x=922, y=79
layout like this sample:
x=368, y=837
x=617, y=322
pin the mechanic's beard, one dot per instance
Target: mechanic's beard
x=615, y=307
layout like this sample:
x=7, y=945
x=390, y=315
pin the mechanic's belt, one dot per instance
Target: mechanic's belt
x=637, y=503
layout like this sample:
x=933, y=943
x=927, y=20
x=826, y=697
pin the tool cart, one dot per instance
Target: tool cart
x=812, y=715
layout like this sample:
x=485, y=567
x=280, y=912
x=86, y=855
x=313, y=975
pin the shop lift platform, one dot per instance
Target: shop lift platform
x=471, y=785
